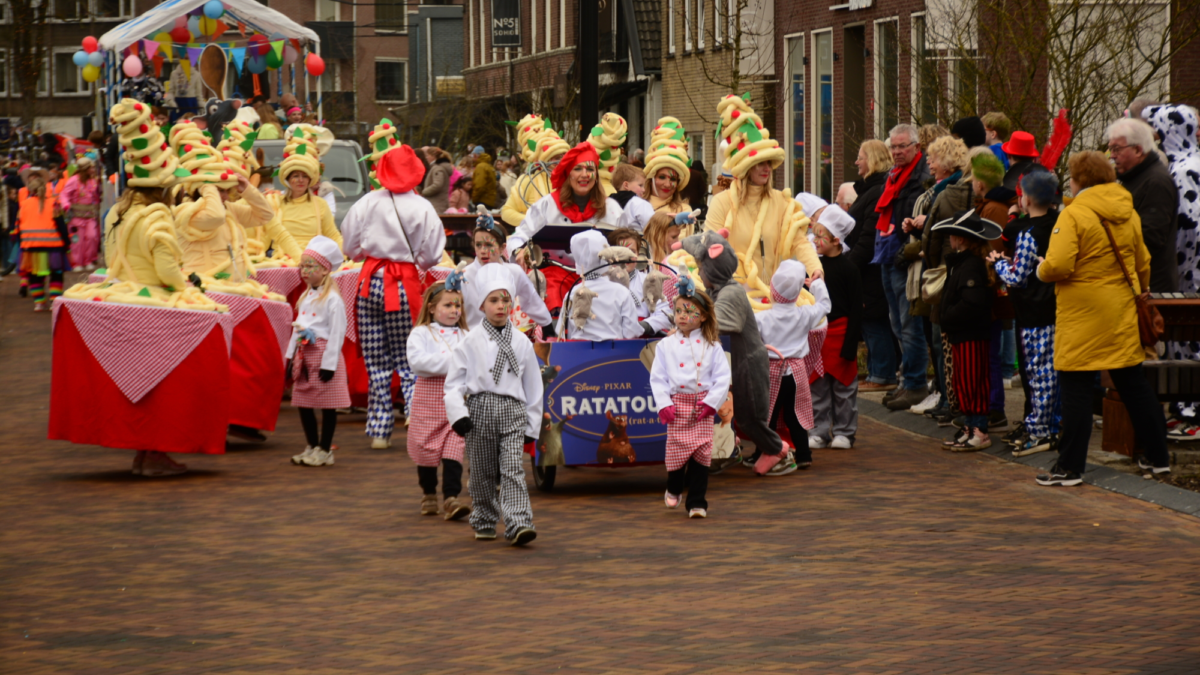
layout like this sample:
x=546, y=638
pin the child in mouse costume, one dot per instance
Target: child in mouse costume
x=751, y=369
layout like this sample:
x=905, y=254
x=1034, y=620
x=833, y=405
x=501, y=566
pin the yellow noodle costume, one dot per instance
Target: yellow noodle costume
x=668, y=150
x=607, y=137
x=539, y=143
x=308, y=216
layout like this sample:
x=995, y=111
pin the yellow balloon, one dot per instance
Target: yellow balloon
x=163, y=38
x=90, y=73
x=208, y=26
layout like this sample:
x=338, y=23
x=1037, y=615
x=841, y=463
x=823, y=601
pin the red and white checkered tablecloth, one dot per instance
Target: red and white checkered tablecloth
x=139, y=346
x=280, y=314
x=435, y=274
x=95, y=278
x=347, y=282
x=281, y=280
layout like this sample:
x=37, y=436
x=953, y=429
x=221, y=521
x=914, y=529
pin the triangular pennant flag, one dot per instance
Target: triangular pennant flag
x=239, y=57
x=158, y=64
x=277, y=47
x=194, y=56
x=151, y=48
x=220, y=29
x=242, y=28
x=187, y=68
x=296, y=43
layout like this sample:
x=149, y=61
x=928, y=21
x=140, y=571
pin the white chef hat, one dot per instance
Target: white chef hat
x=839, y=223
x=494, y=278
x=810, y=203
x=325, y=251
x=788, y=280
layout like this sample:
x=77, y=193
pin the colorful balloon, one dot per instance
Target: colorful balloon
x=193, y=25
x=315, y=65
x=213, y=9
x=132, y=66
x=290, y=54
x=91, y=73
x=273, y=60
x=89, y=44
x=259, y=45
x=80, y=58
x=257, y=64
x=181, y=35
x=207, y=26
x=96, y=59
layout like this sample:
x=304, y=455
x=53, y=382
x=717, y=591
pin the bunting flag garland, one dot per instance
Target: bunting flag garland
x=151, y=48
x=194, y=56
x=239, y=57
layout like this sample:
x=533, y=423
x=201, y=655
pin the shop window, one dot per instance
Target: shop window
x=824, y=78
x=887, y=76
x=795, y=64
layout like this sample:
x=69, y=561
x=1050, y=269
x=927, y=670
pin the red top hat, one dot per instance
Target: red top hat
x=584, y=152
x=399, y=170
x=1021, y=144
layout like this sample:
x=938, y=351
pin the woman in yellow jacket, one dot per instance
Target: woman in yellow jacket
x=300, y=212
x=765, y=226
x=1097, y=326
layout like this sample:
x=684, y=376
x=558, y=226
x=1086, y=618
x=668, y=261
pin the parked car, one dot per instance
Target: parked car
x=342, y=169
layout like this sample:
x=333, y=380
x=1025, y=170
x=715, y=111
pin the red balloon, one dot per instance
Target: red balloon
x=90, y=44
x=261, y=45
x=181, y=35
x=315, y=65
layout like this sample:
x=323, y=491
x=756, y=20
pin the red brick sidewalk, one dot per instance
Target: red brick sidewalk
x=894, y=557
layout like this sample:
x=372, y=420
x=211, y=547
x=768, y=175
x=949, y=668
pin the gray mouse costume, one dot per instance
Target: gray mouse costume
x=735, y=318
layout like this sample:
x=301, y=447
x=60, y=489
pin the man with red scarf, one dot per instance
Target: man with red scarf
x=905, y=182
x=395, y=232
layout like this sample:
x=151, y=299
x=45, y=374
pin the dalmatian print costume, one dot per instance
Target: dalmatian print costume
x=1176, y=126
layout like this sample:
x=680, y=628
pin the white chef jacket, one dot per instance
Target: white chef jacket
x=531, y=303
x=471, y=373
x=636, y=214
x=616, y=313
x=372, y=228
x=429, y=348
x=545, y=212
x=688, y=364
x=786, y=327
x=327, y=319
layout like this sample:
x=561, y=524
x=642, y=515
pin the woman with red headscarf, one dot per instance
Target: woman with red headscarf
x=576, y=197
x=396, y=232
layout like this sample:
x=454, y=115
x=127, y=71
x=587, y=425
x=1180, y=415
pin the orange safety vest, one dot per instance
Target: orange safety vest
x=36, y=223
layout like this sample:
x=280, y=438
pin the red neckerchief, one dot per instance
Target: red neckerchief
x=571, y=211
x=896, y=179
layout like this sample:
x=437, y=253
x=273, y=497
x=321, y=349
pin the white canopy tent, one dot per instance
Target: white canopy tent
x=255, y=16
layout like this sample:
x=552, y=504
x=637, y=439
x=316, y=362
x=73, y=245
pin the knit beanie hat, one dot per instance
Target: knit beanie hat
x=668, y=150
x=987, y=167
x=237, y=145
x=382, y=139
x=301, y=152
x=148, y=160
x=749, y=142
x=199, y=161
x=606, y=137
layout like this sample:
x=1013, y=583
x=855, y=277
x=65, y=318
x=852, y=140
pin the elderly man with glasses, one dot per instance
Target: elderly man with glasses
x=1132, y=149
x=905, y=182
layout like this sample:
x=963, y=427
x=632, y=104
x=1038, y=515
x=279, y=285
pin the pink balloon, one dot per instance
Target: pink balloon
x=181, y=21
x=290, y=54
x=132, y=66
x=315, y=64
x=89, y=44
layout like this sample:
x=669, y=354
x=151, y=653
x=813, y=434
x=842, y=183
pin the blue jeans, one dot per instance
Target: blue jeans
x=914, y=357
x=1008, y=353
x=881, y=351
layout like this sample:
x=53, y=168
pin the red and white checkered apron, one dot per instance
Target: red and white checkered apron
x=430, y=438
x=803, y=403
x=311, y=392
x=688, y=436
x=814, y=361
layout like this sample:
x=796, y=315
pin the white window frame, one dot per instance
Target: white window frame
x=49, y=76
x=880, y=132
x=317, y=9
x=562, y=24
x=52, y=11
x=789, y=111
x=700, y=10
x=403, y=30
x=128, y=10
x=471, y=32
x=85, y=88
x=549, y=24
x=812, y=144
x=671, y=27
x=393, y=59
x=688, y=43
x=914, y=95
x=731, y=20
x=5, y=71
x=533, y=27
x=718, y=24
x=5, y=13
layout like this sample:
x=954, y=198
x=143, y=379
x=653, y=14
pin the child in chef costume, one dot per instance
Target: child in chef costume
x=489, y=239
x=688, y=394
x=600, y=307
x=441, y=326
x=494, y=396
x=314, y=352
x=785, y=328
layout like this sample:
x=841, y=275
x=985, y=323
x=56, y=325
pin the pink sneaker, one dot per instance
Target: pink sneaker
x=671, y=500
x=767, y=462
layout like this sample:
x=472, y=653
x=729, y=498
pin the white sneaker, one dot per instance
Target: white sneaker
x=841, y=443
x=671, y=500
x=698, y=513
x=319, y=457
x=816, y=442
x=927, y=403
x=299, y=459
x=1015, y=381
x=381, y=443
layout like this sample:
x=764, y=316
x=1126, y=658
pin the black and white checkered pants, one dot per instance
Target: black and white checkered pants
x=494, y=449
x=384, y=339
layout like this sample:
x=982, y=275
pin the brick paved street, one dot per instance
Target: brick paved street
x=894, y=557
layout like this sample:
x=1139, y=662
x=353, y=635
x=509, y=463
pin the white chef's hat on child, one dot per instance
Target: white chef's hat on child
x=788, y=280
x=325, y=251
x=839, y=223
x=810, y=203
x=494, y=278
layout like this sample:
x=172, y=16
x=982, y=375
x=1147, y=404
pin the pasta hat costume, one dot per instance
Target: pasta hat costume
x=763, y=225
x=144, y=253
x=302, y=152
x=607, y=137
x=237, y=146
x=541, y=147
x=382, y=139
x=668, y=150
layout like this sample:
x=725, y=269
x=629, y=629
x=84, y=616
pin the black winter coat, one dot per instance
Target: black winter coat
x=966, y=299
x=1156, y=200
x=861, y=241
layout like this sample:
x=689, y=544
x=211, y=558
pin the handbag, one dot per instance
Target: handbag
x=933, y=280
x=1150, y=322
